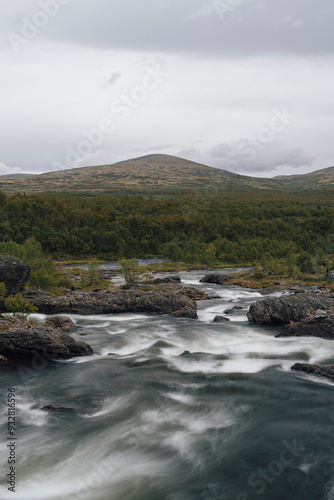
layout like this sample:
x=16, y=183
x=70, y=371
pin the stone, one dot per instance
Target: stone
x=59, y=409
x=63, y=322
x=167, y=279
x=218, y=279
x=232, y=310
x=115, y=301
x=288, y=308
x=40, y=343
x=323, y=370
x=14, y=272
x=320, y=325
x=220, y=319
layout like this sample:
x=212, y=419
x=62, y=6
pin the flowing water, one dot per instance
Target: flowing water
x=230, y=421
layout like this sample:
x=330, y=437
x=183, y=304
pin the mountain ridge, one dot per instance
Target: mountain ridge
x=156, y=173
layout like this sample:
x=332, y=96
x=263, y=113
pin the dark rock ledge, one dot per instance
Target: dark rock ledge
x=25, y=343
x=323, y=370
x=114, y=301
x=289, y=308
x=320, y=325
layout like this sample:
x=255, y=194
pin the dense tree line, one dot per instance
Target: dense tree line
x=233, y=228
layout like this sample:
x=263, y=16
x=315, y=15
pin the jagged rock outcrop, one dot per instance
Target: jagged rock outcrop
x=323, y=370
x=40, y=342
x=218, y=279
x=232, y=310
x=14, y=272
x=220, y=319
x=320, y=325
x=289, y=308
x=167, y=279
x=63, y=322
x=114, y=301
x=59, y=410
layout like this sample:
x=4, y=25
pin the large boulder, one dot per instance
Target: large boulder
x=323, y=370
x=167, y=279
x=288, y=308
x=114, y=301
x=329, y=276
x=40, y=342
x=218, y=279
x=14, y=272
x=320, y=325
x=220, y=319
x=63, y=322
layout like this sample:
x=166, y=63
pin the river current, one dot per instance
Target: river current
x=231, y=421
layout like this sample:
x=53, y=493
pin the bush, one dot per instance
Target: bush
x=16, y=304
x=130, y=271
x=93, y=273
x=258, y=274
x=43, y=273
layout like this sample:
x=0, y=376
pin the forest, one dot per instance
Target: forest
x=231, y=228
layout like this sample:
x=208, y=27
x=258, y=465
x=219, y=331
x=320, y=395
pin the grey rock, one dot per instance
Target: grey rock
x=59, y=409
x=14, y=272
x=115, y=301
x=220, y=319
x=40, y=343
x=323, y=370
x=218, y=279
x=288, y=308
x=320, y=325
x=167, y=279
x=63, y=322
x=232, y=310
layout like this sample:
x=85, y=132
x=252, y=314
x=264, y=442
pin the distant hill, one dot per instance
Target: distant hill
x=154, y=174
x=321, y=179
x=16, y=176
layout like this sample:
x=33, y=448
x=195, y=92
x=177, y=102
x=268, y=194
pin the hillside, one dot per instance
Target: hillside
x=319, y=180
x=156, y=174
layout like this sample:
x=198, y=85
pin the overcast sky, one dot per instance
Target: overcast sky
x=244, y=85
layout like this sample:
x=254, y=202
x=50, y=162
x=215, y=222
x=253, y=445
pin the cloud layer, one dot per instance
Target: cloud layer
x=76, y=71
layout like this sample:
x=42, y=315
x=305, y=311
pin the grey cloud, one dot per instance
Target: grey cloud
x=242, y=157
x=197, y=26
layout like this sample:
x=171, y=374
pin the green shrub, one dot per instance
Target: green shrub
x=93, y=273
x=258, y=274
x=130, y=272
x=16, y=304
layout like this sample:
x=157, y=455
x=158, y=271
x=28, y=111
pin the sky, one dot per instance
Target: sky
x=242, y=85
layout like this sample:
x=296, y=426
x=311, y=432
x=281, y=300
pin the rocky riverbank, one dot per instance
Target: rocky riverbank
x=159, y=301
x=23, y=342
x=301, y=315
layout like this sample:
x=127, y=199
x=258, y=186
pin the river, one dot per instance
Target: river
x=228, y=422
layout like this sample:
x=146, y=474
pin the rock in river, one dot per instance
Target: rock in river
x=288, y=308
x=319, y=325
x=40, y=342
x=218, y=279
x=114, y=301
x=324, y=370
x=63, y=322
x=220, y=319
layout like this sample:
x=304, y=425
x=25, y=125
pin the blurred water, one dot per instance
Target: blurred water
x=230, y=421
